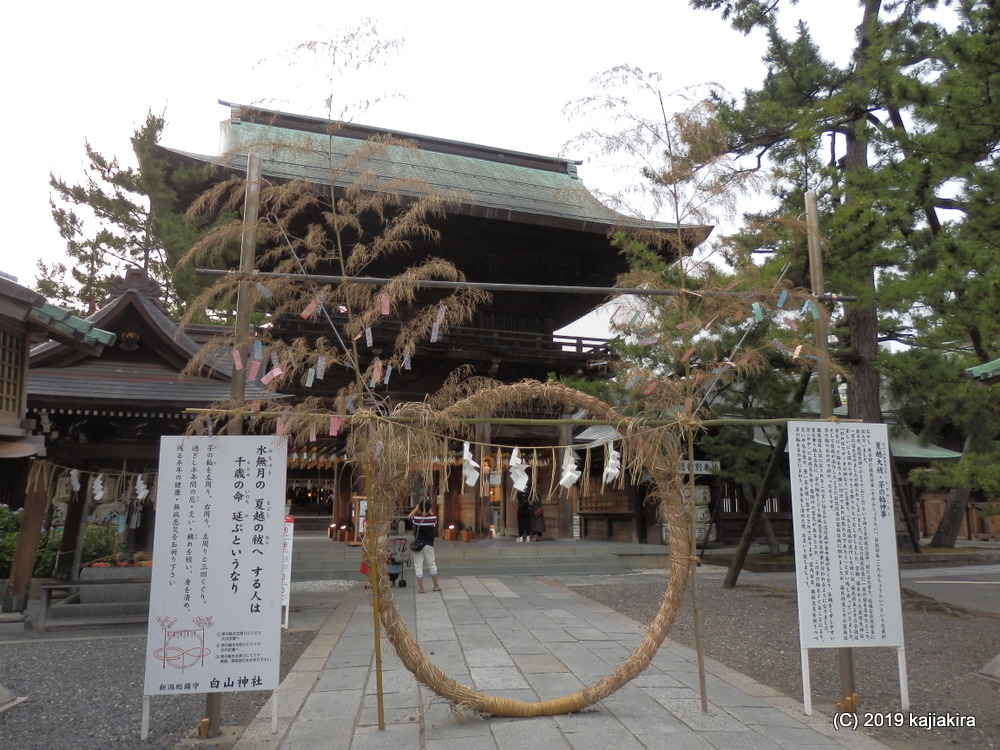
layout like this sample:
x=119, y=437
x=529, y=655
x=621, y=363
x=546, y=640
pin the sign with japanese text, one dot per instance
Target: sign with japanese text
x=286, y=560
x=215, y=602
x=698, y=467
x=847, y=573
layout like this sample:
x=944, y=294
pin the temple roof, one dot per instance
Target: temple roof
x=137, y=296
x=25, y=317
x=45, y=320
x=144, y=369
x=488, y=182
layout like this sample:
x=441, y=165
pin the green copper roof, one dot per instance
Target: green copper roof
x=987, y=371
x=64, y=322
x=484, y=181
x=56, y=322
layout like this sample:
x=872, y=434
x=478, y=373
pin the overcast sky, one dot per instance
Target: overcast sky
x=497, y=74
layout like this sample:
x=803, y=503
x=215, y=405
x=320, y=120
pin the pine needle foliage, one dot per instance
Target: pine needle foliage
x=107, y=224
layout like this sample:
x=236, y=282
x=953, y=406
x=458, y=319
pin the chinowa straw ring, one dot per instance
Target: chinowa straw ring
x=655, y=450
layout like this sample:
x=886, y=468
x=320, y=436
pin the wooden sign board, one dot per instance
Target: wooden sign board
x=847, y=571
x=215, y=601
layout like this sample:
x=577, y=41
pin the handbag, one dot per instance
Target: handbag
x=416, y=545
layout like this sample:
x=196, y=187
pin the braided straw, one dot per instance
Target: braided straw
x=655, y=450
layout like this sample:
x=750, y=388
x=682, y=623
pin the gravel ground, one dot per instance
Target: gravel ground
x=753, y=629
x=84, y=689
x=84, y=692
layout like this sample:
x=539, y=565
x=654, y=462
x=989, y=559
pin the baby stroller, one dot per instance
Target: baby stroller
x=398, y=556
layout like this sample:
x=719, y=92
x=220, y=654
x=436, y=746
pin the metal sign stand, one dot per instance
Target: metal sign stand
x=904, y=688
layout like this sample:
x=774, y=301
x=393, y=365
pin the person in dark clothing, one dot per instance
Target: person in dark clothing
x=425, y=525
x=537, y=520
x=524, y=514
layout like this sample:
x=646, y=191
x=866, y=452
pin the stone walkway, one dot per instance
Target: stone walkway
x=525, y=638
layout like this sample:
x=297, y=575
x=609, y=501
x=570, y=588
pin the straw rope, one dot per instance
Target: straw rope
x=389, y=448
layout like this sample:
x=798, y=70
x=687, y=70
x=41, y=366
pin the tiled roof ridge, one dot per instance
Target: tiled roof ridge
x=343, y=129
x=138, y=280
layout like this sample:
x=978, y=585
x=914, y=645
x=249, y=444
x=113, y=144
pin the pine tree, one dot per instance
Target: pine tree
x=729, y=341
x=901, y=145
x=108, y=223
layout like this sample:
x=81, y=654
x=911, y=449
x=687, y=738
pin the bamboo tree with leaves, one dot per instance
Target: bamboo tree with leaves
x=719, y=328
x=349, y=223
x=342, y=228
x=723, y=324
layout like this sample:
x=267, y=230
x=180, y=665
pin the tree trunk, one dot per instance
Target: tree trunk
x=863, y=387
x=951, y=521
x=862, y=317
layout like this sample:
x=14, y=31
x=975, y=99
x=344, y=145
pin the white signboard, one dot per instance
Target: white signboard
x=847, y=573
x=286, y=560
x=215, y=604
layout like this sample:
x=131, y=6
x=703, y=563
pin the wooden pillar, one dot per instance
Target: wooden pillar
x=23, y=566
x=71, y=530
x=638, y=514
x=481, y=513
x=562, y=527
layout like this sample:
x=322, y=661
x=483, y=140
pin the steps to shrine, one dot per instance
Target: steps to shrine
x=319, y=558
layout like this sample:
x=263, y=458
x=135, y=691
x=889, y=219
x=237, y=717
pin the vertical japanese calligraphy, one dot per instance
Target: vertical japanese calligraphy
x=286, y=560
x=215, y=603
x=845, y=538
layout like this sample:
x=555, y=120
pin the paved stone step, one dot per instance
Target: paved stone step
x=476, y=567
x=315, y=557
x=78, y=615
x=312, y=523
x=310, y=558
x=87, y=622
x=328, y=548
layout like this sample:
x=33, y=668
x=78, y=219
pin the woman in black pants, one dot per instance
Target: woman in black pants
x=524, y=514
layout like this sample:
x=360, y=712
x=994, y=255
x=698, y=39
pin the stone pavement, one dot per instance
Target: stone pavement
x=526, y=638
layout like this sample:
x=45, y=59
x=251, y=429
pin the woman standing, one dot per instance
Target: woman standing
x=524, y=514
x=537, y=520
x=425, y=525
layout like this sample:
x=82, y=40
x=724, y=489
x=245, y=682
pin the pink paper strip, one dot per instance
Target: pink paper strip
x=310, y=309
x=271, y=375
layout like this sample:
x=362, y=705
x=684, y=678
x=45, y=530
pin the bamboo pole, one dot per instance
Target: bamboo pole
x=237, y=388
x=845, y=656
x=500, y=287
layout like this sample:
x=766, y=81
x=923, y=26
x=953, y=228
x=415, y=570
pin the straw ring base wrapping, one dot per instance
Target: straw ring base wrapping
x=654, y=450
